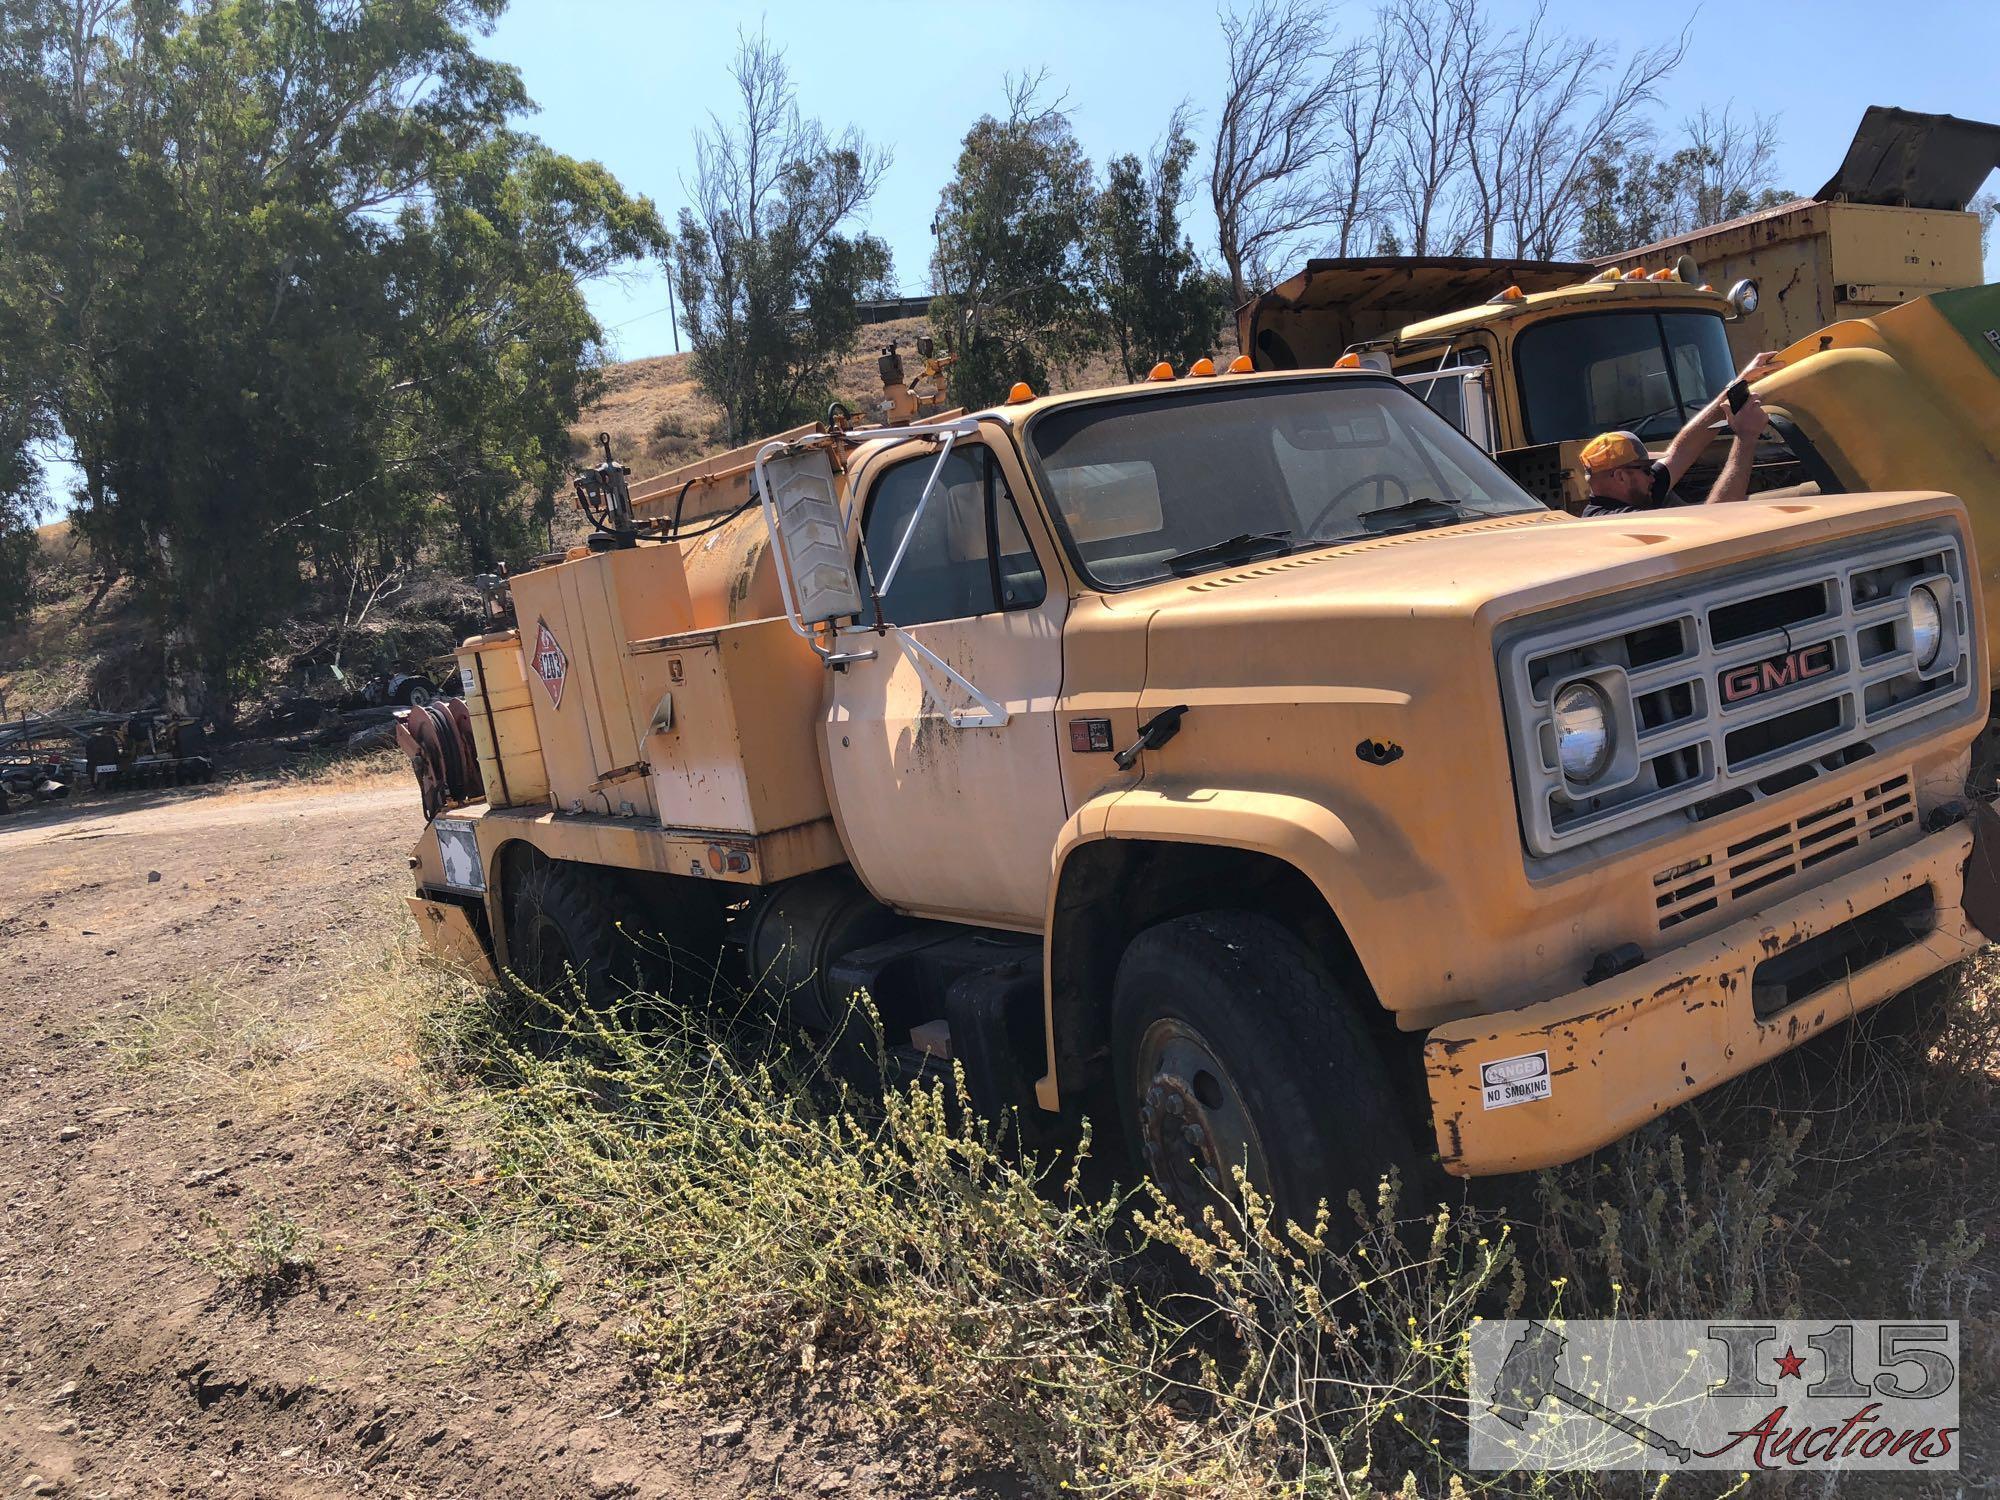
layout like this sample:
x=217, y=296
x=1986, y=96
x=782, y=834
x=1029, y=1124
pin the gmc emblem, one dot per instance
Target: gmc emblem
x=1776, y=672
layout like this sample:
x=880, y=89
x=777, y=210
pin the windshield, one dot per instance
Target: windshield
x=1643, y=372
x=1151, y=487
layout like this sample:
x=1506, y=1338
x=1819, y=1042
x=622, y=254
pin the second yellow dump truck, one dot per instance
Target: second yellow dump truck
x=1242, y=757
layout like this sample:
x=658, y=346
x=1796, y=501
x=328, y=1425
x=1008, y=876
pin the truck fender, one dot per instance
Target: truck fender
x=1311, y=838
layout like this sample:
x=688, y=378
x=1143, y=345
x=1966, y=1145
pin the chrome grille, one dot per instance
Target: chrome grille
x=1737, y=685
x=1756, y=862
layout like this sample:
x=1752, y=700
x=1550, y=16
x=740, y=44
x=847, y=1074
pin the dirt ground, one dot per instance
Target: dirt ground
x=233, y=1260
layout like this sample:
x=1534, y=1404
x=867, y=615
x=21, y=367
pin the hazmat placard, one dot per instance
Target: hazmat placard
x=551, y=663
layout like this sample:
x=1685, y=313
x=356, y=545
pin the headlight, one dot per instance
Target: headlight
x=1743, y=297
x=1583, y=731
x=1926, y=626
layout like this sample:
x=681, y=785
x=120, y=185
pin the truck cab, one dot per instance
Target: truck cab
x=1245, y=758
x=1532, y=368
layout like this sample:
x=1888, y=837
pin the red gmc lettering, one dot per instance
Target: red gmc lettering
x=1780, y=671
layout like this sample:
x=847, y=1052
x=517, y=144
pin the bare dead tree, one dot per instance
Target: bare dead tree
x=1435, y=53
x=1552, y=172
x=1522, y=92
x=766, y=263
x=1274, y=137
x=1732, y=162
x=1366, y=105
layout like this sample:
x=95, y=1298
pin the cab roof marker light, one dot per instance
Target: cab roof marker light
x=1021, y=392
x=1161, y=371
x=1240, y=365
x=1614, y=274
x=1666, y=275
x=1511, y=294
x=1348, y=361
x=1201, y=369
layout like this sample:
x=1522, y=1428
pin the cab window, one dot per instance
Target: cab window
x=970, y=554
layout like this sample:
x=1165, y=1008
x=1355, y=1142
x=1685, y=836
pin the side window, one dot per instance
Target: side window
x=970, y=554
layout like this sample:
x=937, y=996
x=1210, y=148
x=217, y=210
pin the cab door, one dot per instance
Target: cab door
x=941, y=749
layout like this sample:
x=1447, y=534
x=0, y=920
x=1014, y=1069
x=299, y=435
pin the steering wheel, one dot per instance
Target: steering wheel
x=1381, y=479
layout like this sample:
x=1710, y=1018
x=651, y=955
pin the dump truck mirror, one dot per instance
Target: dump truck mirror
x=815, y=565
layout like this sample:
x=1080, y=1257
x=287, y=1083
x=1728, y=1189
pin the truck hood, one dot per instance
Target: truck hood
x=1515, y=565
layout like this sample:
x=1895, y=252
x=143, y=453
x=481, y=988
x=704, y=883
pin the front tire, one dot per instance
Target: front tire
x=1232, y=1045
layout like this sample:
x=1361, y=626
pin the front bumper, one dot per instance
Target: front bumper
x=1631, y=1047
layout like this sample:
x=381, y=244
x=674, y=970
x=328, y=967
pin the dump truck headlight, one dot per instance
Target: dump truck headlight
x=1743, y=297
x=1926, y=626
x=1583, y=731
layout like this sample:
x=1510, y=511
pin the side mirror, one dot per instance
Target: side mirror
x=802, y=507
x=1743, y=297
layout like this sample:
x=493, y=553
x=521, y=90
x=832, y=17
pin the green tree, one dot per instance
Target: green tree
x=767, y=264
x=1011, y=273
x=496, y=351
x=1160, y=302
x=1632, y=196
x=288, y=289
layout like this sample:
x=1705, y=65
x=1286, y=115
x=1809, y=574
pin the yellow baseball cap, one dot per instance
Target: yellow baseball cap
x=1613, y=450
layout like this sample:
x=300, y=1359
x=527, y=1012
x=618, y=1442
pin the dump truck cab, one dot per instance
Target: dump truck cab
x=1531, y=370
x=1243, y=757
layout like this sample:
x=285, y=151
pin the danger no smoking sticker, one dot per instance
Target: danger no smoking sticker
x=1515, y=1080
x=551, y=664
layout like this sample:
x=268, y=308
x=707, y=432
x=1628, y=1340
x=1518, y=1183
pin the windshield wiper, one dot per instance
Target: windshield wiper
x=1248, y=544
x=1411, y=515
x=1422, y=511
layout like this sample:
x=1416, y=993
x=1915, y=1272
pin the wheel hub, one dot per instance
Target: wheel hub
x=1194, y=1128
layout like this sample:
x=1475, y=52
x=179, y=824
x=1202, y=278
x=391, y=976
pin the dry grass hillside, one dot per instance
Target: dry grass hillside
x=84, y=645
x=658, y=417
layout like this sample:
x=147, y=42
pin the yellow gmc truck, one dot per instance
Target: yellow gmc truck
x=1243, y=756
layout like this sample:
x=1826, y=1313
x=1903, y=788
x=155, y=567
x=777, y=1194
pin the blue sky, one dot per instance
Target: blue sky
x=626, y=82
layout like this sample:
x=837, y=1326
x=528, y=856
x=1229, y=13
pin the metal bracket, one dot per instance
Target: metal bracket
x=945, y=433
x=988, y=715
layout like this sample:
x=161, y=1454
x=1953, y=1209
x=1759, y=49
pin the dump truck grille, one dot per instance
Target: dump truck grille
x=1751, y=864
x=1731, y=688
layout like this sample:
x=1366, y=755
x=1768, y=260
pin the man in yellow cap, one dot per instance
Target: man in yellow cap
x=1624, y=477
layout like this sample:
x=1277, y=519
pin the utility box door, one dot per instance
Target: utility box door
x=732, y=720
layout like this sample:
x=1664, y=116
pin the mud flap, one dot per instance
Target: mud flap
x=447, y=932
x=1981, y=898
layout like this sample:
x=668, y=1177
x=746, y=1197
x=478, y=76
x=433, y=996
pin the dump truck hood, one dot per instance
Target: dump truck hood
x=1497, y=569
x=1907, y=399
